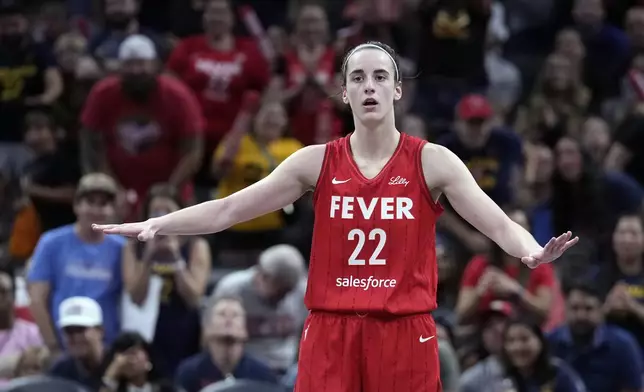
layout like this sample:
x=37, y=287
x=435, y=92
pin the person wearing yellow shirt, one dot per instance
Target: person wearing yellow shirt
x=251, y=150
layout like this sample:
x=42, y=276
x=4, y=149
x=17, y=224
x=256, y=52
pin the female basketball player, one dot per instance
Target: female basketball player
x=372, y=279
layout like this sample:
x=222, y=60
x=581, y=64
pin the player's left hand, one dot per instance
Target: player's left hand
x=552, y=251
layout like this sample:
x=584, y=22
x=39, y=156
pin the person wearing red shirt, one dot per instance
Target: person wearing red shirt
x=306, y=79
x=141, y=127
x=502, y=277
x=219, y=68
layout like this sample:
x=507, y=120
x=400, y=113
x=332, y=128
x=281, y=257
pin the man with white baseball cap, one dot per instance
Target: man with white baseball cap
x=81, y=320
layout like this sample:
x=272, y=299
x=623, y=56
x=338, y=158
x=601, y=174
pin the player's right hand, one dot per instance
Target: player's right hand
x=143, y=231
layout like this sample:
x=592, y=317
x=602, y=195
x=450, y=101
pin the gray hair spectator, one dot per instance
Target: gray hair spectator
x=273, y=295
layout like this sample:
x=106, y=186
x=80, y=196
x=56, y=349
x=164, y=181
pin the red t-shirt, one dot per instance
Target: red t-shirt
x=143, y=141
x=541, y=276
x=219, y=79
x=374, y=239
x=307, y=109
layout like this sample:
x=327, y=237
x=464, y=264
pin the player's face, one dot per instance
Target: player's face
x=371, y=86
x=628, y=238
x=521, y=346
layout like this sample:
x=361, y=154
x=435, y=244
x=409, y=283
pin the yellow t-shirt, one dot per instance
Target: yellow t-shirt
x=250, y=165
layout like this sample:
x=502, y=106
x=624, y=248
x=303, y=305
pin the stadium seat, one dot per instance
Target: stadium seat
x=42, y=384
x=242, y=386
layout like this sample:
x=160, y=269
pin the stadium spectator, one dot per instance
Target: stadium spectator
x=250, y=152
x=607, y=49
x=120, y=22
x=493, y=154
x=219, y=68
x=449, y=366
x=183, y=264
x=487, y=375
x=557, y=104
x=32, y=362
x=596, y=139
x=606, y=358
x=529, y=365
x=70, y=50
x=129, y=365
x=16, y=335
x=143, y=127
x=49, y=181
x=451, y=54
x=272, y=293
x=81, y=321
x=74, y=260
x=569, y=44
x=626, y=154
x=225, y=357
x=30, y=77
x=623, y=277
x=501, y=276
x=579, y=188
x=305, y=78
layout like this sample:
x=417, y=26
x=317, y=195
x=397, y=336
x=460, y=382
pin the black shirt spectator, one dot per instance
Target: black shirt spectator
x=24, y=68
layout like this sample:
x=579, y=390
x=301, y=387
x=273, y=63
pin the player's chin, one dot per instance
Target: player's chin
x=372, y=115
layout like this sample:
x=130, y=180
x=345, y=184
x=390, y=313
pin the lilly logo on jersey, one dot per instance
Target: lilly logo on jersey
x=398, y=181
x=385, y=207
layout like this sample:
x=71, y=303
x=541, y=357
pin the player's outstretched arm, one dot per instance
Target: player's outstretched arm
x=446, y=172
x=287, y=183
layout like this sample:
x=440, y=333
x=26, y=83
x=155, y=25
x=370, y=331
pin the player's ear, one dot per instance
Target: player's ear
x=398, y=91
x=345, y=99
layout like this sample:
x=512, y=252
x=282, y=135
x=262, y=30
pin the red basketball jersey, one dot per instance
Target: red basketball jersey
x=374, y=239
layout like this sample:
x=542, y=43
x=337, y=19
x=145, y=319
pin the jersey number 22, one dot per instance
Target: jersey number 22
x=376, y=234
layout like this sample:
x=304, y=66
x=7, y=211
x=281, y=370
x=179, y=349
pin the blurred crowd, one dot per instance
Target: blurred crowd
x=121, y=110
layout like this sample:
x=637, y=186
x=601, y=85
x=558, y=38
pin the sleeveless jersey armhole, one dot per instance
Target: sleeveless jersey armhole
x=323, y=171
x=436, y=205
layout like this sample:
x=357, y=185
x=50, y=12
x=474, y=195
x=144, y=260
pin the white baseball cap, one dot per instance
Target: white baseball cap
x=137, y=47
x=79, y=312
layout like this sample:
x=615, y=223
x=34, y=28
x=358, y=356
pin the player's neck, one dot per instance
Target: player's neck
x=375, y=142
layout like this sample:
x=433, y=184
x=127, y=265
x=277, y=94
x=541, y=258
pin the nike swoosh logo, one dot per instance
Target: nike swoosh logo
x=423, y=340
x=336, y=182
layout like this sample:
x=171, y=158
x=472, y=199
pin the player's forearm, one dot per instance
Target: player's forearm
x=205, y=218
x=515, y=240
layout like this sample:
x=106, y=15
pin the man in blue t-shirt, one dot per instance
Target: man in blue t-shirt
x=74, y=260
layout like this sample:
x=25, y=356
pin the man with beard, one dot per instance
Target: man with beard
x=606, y=358
x=142, y=127
x=28, y=73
